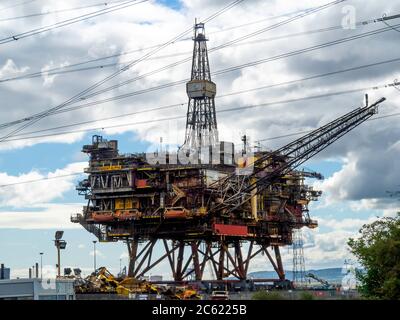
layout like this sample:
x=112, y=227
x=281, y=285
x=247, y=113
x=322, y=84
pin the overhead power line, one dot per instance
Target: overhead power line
x=67, y=69
x=229, y=69
x=275, y=85
x=308, y=131
x=171, y=84
x=78, y=96
x=188, y=59
x=39, y=14
x=24, y=136
x=41, y=179
x=17, y=5
x=115, y=74
x=260, y=21
x=102, y=4
x=53, y=71
x=67, y=22
x=307, y=12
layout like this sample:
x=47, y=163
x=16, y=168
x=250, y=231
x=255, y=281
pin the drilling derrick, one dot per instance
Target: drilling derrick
x=201, y=121
x=219, y=214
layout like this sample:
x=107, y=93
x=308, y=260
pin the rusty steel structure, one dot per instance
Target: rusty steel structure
x=209, y=206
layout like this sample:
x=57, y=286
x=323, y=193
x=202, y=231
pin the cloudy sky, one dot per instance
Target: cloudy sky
x=41, y=71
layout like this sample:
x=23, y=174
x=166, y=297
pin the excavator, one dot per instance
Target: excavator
x=325, y=283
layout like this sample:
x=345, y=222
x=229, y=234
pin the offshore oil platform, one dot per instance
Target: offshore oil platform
x=206, y=203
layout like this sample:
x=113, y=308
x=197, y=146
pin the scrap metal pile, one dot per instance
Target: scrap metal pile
x=104, y=282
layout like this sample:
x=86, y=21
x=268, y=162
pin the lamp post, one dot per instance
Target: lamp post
x=94, y=256
x=41, y=265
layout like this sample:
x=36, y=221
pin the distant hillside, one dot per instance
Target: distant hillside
x=333, y=275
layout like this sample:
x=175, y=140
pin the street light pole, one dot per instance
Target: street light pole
x=41, y=265
x=94, y=256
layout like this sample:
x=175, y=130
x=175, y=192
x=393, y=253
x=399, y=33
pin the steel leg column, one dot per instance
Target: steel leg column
x=220, y=274
x=179, y=272
x=281, y=271
x=196, y=264
x=240, y=264
x=132, y=249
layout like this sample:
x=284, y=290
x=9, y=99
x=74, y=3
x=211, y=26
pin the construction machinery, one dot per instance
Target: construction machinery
x=325, y=283
x=206, y=203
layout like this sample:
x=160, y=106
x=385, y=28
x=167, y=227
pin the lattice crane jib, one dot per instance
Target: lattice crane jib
x=201, y=121
x=271, y=166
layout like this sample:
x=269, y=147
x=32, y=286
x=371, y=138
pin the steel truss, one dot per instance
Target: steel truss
x=226, y=258
x=237, y=190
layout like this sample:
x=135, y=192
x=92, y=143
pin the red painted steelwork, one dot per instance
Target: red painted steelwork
x=141, y=183
x=102, y=216
x=127, y=214
x=229, y=229
x=175, y=214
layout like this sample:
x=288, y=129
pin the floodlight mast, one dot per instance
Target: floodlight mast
x=60, y=244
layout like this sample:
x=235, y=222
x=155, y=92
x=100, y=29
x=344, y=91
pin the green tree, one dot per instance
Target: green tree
x=378, y=251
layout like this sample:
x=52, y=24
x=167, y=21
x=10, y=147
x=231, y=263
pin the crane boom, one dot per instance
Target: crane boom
x=322, y=281
x=236, y=190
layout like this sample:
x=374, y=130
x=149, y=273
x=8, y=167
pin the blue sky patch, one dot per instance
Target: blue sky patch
x=47, y=157
x=326, y=167
x=173, y=4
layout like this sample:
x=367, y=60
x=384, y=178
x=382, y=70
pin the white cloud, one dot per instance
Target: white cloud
x=347, y=224
x=11, y=69
x=49, y=272
x=322, y=249
x=46, y=216
x=366, y=177
x=22, y=195
x=98, y=253
x=48, y=79
x=124, y=255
